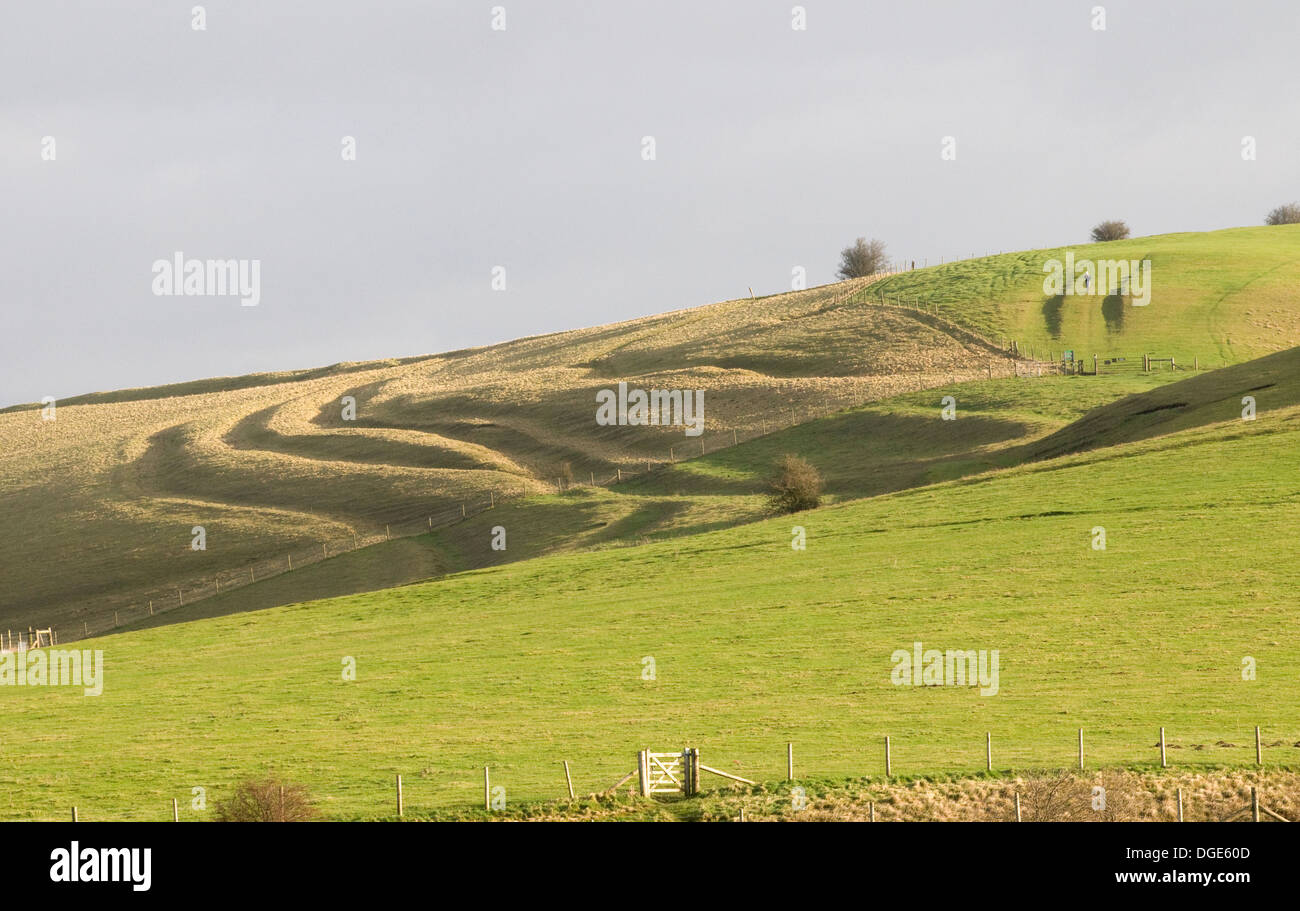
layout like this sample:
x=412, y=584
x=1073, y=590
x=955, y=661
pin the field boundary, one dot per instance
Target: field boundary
x=646, y=782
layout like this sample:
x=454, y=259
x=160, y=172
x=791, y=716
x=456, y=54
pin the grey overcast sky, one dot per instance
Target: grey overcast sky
x=522, y=148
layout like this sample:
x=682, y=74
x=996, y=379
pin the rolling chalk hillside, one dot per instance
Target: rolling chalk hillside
x=876, y=448
x=103, y=499
x=101, y=502
x=755, y=645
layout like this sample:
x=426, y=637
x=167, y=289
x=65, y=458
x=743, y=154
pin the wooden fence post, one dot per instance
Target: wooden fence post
x=1180, y=804
x=789, y=762
x=873, y=811
x=176, y=811
x=1163, y=763
x=487, y=790
x=888, y=761
x=568, y=778
x=399, y=795
x=1259, y=750
x=988, y=751
x=1254, y=804
x=1080, y=749
x=74, y=812
x=1018, y=806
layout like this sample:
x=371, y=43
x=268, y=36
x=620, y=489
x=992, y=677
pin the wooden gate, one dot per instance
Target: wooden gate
x=668, y=773
x=672, y=773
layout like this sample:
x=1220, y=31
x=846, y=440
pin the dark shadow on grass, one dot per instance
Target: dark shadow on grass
x=643, y=521
x=859, y=454
x=1112, y=311
x=1053, y=315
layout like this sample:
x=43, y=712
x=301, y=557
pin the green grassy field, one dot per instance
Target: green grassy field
x=755, y=644
x=1221, y=296
x=378, y=566
x=1272, y=382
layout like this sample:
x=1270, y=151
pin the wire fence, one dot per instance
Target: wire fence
x=1031, y=786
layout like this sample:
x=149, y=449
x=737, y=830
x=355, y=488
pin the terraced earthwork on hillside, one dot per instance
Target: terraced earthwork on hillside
x=107, y=493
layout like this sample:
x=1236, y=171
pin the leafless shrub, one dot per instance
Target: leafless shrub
x=1048, y=797
x=865, y=257
x=267, y=800
x=1288, y=214
x=1109, y=230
